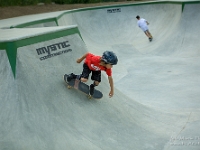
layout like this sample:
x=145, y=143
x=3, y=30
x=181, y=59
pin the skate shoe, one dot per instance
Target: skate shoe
x=91, y=89
x=70, y=77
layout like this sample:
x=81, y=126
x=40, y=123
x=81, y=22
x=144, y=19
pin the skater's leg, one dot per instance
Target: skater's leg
x=83, y=76
x=96, y=76
x=85, y=73
x=149, y=34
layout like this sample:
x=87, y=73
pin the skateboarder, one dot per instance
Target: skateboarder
x=95, y=64
x=142, y=23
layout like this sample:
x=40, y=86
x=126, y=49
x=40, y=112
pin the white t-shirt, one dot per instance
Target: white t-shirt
x=142, y=24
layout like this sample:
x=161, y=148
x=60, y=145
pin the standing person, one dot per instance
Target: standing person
x=142, y=23
x=96, y=64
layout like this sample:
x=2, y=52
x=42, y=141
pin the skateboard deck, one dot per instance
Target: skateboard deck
x=82, y=87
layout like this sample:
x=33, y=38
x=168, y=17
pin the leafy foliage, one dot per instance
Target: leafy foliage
x=34, y=2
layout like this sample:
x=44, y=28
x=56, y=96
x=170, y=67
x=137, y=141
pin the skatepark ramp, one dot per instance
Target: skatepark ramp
x=156, y=101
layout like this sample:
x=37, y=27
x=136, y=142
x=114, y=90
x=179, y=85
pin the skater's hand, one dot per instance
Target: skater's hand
x=79, y=60
x=111, y=94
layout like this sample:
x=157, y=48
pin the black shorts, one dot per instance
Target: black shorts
x=96, y=75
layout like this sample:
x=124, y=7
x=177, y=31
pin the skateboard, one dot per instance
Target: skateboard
x=82, y=87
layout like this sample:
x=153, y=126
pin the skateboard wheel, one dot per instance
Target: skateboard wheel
x=89, y=96
x=69, y=87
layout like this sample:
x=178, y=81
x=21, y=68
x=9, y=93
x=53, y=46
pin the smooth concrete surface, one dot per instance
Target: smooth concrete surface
x=162, y=73
x=156, y=101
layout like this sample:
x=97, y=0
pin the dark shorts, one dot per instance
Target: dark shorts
x=96, y=75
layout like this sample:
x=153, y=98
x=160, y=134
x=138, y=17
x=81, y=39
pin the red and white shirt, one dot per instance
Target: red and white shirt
x=93, y=63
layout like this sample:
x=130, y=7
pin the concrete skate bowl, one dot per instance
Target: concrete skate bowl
x=156, y=101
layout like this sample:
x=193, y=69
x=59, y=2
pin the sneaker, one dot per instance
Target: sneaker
x=70, y=77
x=91, y=89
